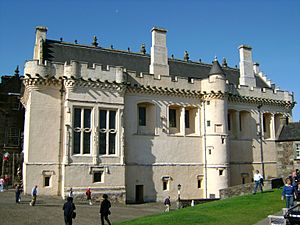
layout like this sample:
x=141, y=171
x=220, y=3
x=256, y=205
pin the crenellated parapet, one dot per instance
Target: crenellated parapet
x=77, y=73
x=261, y=95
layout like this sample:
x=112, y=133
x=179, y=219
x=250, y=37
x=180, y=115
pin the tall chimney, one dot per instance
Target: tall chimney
x=246, y=67
x=159, y=53
x=40, y=38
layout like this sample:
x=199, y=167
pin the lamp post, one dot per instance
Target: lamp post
x=178, y=195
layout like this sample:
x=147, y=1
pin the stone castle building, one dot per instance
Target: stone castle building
x=136, y=125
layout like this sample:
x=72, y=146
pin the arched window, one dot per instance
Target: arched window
x=247, y=125
x=267, y=125
x=146, y=113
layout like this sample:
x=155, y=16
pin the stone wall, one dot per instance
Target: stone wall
x=241, y=189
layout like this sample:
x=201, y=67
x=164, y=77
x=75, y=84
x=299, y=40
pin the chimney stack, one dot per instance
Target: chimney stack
x=246, y=67
x=256, y=68
x=159, y=53
x=40, y=38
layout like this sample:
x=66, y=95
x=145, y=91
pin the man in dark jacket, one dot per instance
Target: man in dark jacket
x=69, y=208
x=104, y=209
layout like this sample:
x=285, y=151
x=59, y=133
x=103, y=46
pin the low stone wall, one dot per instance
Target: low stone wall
x=242, y=189
x=116, y=196
x=187, y=202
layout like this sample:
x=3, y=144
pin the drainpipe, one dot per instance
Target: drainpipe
x=261, y=142
x=205, y=149
x=61, y=128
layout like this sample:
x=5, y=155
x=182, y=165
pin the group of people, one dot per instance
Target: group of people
x=291, y=189
x=69, y=207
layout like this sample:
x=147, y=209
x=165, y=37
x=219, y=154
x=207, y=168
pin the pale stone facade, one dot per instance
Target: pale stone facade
x=135, y=125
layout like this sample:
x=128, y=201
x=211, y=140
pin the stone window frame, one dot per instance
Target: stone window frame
x=82, y=130
x=166, y=180
x=151, y=115
x=297, y=150
x=180, y=128
x=107, y=131
x=102, y=170
x=47, y=174
x=200, y=181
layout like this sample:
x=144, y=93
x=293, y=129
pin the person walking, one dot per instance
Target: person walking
x=104, y=210
x=288, y=193
x=1, y=184
x=258, y=180
x=167, y=203
x=69, y=213
x=71, y=194
x=88, y=194
x=33, y=194
x=18, y=193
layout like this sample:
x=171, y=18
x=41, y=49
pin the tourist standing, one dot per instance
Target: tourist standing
x=69, y=213
x=88, y=194
x=167, y=203
x=104, y=209
x=288, y=193
x=1, y=184
x=6, y=181
x=33, y=194
x=18, y=193
x=258, y=179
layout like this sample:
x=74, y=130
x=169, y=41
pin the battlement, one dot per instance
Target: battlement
x=74, y=69
x=266, y=93
x=81, y=70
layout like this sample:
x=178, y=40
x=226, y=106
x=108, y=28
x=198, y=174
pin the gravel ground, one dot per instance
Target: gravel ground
x=48, y=211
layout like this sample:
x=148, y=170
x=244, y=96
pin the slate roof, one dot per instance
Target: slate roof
x=57, y=51
x=216, y=68
x=290, y=132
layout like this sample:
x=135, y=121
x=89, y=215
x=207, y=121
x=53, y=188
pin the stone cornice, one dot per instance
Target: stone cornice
x=163, y=91
x=257, y=100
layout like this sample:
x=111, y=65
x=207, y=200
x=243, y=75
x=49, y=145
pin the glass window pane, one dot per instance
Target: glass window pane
x=102, y=119
x=77, y=117
x=112, y=119
x=142, y=116
x=87, y=118
x=172, y=117
x=76, y=142
x=86, y=143
x=112, y=143
x=187, y=119
x=102, y=143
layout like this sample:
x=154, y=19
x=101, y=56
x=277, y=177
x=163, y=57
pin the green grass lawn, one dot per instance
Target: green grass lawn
x=244, y=210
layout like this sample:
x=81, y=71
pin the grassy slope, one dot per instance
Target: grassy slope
x=245, y=210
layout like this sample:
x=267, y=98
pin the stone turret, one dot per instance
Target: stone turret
x=159, y=53
x=216, y=149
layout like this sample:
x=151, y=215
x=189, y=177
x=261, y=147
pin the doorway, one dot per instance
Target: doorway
x=139, y=193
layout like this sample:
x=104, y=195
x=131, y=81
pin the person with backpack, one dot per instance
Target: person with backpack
x=69, y=213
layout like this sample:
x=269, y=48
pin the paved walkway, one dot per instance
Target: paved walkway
x=48, y=211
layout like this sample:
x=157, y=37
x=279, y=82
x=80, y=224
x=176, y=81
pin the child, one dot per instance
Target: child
x=88, y=194
x=289, y=193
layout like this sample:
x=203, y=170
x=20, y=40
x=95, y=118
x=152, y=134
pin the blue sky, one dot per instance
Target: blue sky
x=203, y=28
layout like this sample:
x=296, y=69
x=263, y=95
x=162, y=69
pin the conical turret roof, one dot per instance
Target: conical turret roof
x=216, y=69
